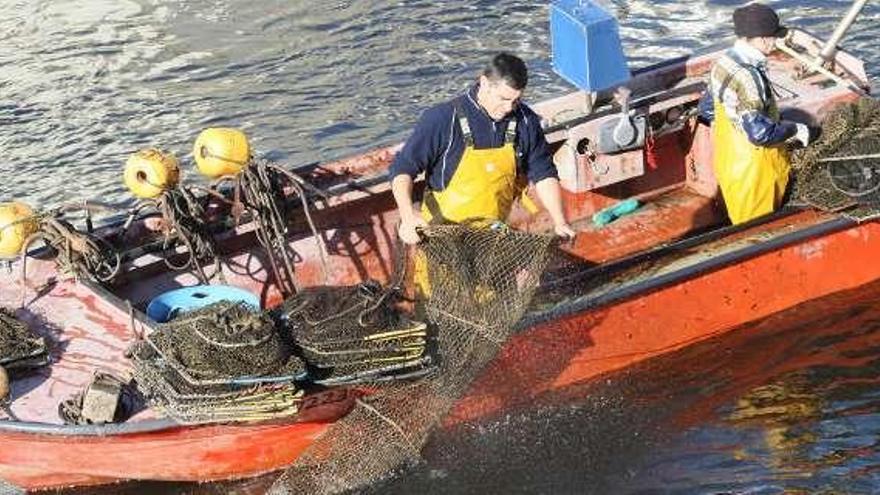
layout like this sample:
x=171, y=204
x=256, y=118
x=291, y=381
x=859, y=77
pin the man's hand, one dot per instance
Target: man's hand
x=565, y=231
x=407, y=229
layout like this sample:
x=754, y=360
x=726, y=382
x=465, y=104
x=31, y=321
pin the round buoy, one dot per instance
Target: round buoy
x=17, y=223
x=220, y=151
x=149, y=172
x=4, y=384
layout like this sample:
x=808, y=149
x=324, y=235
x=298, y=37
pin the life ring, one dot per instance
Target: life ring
x=149, y=172
x=17, y=223
x=220, y=151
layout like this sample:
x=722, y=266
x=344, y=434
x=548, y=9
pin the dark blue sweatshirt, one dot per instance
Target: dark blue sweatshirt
x=436, y=145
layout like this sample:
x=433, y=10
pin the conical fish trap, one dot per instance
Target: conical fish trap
x=354, y=333
x=19, y=346
x=225, y=362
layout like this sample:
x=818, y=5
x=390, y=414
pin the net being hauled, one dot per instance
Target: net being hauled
x=481, y=282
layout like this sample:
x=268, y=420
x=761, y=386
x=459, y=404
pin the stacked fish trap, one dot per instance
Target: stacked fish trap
x=354, y=334
x=20, y=348
x=223, y=363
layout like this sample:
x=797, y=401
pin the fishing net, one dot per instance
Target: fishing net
x=481, y=282
x=841, y=171
x=19, y=347
x=355, y=334
x=224, y=362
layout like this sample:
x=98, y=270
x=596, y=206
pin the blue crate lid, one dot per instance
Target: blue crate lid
x=168, y=305
x=587, y=51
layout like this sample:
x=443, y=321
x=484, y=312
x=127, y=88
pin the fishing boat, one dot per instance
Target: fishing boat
x=666, y=276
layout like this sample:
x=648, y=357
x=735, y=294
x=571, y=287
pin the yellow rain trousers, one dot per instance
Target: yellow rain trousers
x=752, y=178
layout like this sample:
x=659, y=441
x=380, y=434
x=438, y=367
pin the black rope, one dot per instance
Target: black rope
x=186, y=224
x=78, y=253
x=261, y=188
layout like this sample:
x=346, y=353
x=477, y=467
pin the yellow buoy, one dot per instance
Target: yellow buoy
x=221, y=151
x=17, y=223
x=149, y=172
x=4, y=384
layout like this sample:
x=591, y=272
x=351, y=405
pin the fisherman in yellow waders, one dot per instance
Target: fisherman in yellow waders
x=476, y=151
x=749, y=138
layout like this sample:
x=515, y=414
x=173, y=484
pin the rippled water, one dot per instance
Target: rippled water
x=790, y=404
x=83, y=83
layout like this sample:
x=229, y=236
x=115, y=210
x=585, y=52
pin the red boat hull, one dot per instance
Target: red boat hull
x=573, y=350
x=196, y=454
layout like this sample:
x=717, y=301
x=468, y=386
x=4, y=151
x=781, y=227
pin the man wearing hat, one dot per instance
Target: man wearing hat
x=750, y=140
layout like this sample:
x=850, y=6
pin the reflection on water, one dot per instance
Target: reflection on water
x=790, y=404
x=794, y=410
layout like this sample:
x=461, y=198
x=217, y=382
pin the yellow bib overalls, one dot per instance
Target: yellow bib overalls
x=482, y=189
x=752, y=178
x=483, y=186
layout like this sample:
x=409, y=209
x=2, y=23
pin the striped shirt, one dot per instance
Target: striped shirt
x=740, y=82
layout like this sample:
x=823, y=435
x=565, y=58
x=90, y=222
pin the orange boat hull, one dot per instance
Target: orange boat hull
x=192, y=454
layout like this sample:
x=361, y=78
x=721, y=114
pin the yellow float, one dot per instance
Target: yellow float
x=149, y=172
x=4, y=384
x=17, y=223
x=221, y=151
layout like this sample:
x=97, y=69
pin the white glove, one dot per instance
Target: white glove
x=802, y=134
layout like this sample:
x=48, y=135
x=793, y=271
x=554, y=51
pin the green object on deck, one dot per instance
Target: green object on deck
x=613, y=212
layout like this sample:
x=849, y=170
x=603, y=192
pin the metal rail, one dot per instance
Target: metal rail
x=818, y=67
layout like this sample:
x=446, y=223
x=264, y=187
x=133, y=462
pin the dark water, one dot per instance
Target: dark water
x=787, y=407
x=789, y=404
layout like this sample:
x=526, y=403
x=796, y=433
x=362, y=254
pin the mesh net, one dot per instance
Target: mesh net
x=841, y=171
x=18, y=345
x=224, y=362
x=481, y=282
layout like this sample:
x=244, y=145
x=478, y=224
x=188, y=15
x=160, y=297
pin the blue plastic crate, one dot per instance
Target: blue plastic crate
x=586, y=45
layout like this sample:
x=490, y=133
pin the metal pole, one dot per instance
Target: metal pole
x=875, y=156
x=830, y=47
x=816, y=65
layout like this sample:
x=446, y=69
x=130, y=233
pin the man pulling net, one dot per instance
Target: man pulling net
x=475, y=276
